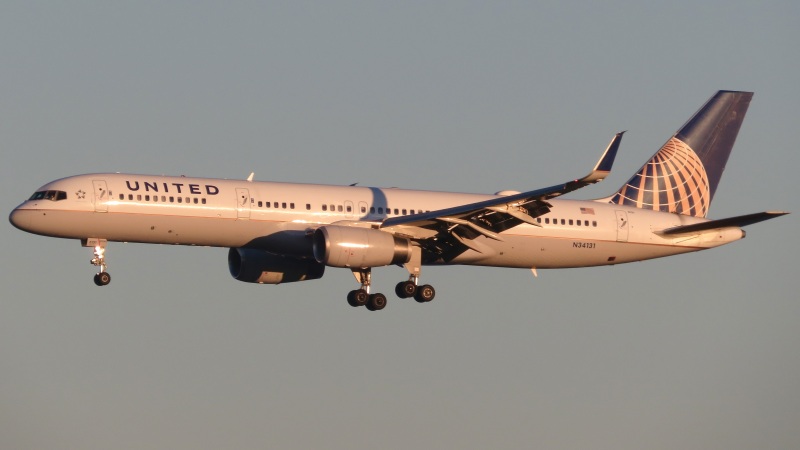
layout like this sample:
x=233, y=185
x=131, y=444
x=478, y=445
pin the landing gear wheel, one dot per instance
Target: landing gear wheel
x=425, y=293
x=357, y=298
x=405, y=289
x=376, y=302
x=102, y=278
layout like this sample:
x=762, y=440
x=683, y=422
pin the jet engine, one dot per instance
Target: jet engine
x=258, y=266
x=340, y=246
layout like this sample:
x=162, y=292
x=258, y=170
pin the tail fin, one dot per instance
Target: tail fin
x=683, y=175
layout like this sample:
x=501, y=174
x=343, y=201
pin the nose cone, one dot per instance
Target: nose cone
x=20, y=219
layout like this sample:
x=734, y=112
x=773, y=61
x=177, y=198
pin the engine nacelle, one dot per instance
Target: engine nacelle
x=258, y=266
x=339, y=246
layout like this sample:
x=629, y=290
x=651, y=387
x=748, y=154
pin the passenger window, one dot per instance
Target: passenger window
x=122, y=196
x=372, y=210
x=579, y=223
x=195, y=200
x=147, y=198
x=380, y=209
x=291, y=205
x=203, y=201
x=260, y=203
x=396, y=212
x=283, y=205
x=324, y=207
x=570, y=221
x=586, y=223
x=594, y=223
x=547, y=220
x=308, y=206
x=340, y=208
x=130, y=196
x=563, y=222
x=180, y=199
x=363, y=209
x=163, y=198
x=172, y=199
x=412, y=211
x=404, y=212
x=538, y=220
x=349, y=208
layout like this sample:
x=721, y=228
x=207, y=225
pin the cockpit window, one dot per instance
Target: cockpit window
x=49, y=195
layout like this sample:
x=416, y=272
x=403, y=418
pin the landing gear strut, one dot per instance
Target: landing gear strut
x=102, y=277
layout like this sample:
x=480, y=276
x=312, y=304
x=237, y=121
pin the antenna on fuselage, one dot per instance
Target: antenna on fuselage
x=250, y=178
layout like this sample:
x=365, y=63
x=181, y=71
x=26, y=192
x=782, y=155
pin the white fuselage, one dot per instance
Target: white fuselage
x=276, y=216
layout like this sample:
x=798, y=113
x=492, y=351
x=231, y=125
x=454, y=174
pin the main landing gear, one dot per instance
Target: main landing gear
x=102, y=277
x=404, y=289
x=377, y=301
x=410, y=288
x=362, y=297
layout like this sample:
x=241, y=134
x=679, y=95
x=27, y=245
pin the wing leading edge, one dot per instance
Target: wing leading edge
x=492, y=216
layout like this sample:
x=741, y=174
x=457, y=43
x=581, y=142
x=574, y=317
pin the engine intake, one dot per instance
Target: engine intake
x=258, y=266
x=339, y=246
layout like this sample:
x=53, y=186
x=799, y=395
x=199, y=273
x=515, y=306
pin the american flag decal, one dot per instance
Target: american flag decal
x=587, y=211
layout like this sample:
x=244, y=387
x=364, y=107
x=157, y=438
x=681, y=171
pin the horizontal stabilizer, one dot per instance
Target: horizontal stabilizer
x=738, y=221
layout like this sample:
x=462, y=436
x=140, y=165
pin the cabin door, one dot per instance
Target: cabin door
x=622, y=226
x=101, y=196
x=242, y=203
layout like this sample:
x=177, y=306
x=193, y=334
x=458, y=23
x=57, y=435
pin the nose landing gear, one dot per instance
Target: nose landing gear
x=102, y=277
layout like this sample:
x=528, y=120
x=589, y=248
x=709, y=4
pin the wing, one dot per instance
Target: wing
x=491, y=217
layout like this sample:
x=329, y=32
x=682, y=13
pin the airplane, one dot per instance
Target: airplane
x=290, y=232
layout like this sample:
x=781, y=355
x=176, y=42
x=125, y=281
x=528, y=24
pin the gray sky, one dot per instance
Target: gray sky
x=694, y=352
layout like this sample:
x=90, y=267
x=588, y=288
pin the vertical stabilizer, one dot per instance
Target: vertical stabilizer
x=683, y=175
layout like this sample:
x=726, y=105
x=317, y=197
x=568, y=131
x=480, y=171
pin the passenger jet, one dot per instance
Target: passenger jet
x=286, y=232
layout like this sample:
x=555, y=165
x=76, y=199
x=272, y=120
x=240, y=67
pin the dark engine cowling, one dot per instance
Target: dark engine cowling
x=339, y=246
x=258, y=266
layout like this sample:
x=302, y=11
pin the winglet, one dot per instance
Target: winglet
x=603, y=166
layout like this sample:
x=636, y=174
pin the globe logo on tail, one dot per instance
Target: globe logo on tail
x=674, y=180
